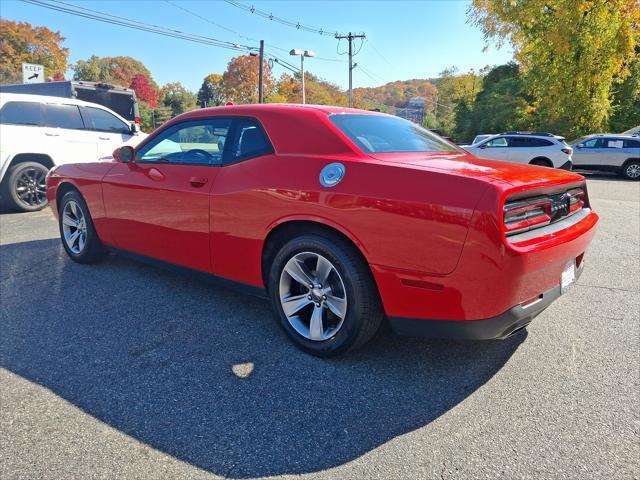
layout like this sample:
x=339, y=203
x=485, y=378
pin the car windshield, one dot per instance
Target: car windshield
x=387, y=134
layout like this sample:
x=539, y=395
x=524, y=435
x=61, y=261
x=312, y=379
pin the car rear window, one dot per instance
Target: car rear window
x=387, y=134
x=63, y=116
x=21, y=113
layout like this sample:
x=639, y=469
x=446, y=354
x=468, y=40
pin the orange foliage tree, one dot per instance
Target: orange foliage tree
x=22, y=43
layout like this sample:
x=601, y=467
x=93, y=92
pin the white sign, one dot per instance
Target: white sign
x=32, y=73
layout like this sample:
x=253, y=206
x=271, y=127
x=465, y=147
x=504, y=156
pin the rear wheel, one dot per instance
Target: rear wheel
x=631, y=170
x=541, y=162
x=25, y=187
x=77, y=233
x=324, y=295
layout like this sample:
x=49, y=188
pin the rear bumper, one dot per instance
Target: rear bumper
x=495, y=328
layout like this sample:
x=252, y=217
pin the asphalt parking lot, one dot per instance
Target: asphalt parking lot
x=122, y=370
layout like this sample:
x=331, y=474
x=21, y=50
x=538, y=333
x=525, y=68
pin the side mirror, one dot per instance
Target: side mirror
x=580, y=145
x=134, y=128
x=125, y=154
x=482, y=147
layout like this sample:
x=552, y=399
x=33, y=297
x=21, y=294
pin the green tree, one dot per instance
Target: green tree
x=453, y=88
x=20, y=42
x=177, y=98
x=572, y=52
x=499, y=106
x=211, y=92
x=626, y=101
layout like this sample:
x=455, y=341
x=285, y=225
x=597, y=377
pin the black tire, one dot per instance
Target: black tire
x=32, y=195
x=631, y=170
x=92, y=250
x=541, y=162
x=364, y=312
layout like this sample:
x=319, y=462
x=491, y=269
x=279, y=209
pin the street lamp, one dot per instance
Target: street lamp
x=302, y=53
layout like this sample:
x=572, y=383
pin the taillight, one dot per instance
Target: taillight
x=522, y=215
x=576, y=199
x=137, y=120
x=568, y=151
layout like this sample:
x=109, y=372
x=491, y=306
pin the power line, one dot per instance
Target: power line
x=197, y=15
x=136, y=25
x=282, y=21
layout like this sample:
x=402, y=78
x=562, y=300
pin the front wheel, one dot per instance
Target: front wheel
x=324, y=295
x=631, y=171
x=77, y=233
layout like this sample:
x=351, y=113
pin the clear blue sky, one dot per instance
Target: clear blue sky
x=405, y=40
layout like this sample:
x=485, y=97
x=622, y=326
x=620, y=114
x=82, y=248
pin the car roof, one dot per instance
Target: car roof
x=34, y=98
x=250, y=109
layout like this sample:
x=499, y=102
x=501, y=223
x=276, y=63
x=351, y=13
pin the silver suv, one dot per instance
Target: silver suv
x=609, y=152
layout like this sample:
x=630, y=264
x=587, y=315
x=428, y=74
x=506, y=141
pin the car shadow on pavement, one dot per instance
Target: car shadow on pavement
x=206, y=375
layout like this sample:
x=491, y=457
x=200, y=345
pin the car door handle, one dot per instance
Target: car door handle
x=103, y=138
x=198, y=181
x=52, y=134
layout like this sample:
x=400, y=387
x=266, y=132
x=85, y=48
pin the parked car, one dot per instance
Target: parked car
x=118, y=99
x=609, y=152
x=537, y=148
x=38, y=132
x=340, y=216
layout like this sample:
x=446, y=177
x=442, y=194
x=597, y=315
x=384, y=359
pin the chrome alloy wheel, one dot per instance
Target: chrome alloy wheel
x=313, y=296
x=74, y=227
x=633, y=171
x=31, y=188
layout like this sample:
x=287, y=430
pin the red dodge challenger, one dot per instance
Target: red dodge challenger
x=341, y=217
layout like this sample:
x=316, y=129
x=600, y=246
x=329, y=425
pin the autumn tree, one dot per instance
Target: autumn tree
x=211, y=92
x=240, y=80
x=20, y=42
x=177, y=98
x=573, y=52
x=116, y=70
x=144, y=91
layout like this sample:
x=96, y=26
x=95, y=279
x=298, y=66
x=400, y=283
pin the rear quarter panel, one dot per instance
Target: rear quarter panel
x=399, y=216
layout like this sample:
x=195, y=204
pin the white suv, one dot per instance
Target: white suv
x=38, y=132
x=535, y=148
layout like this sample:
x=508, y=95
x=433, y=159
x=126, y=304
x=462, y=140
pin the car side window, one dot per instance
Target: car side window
x=198, y=142
x=63, y=116
x=497, y=142
x=592, y=143
x=631, y=144
x=251, y=141
x=613, y=143
x=519, y=142
x=103, y=121
x=22, y=113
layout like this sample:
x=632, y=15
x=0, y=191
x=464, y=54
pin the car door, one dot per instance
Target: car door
x=158, y=205
x=68, y=138
x=22, y=130
x=495, y=149
x=111, y=132
x=589, y=152
x=614, y=154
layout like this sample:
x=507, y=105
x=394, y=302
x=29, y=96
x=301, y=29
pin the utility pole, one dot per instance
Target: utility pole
x=261, y=74
x=350, y=37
